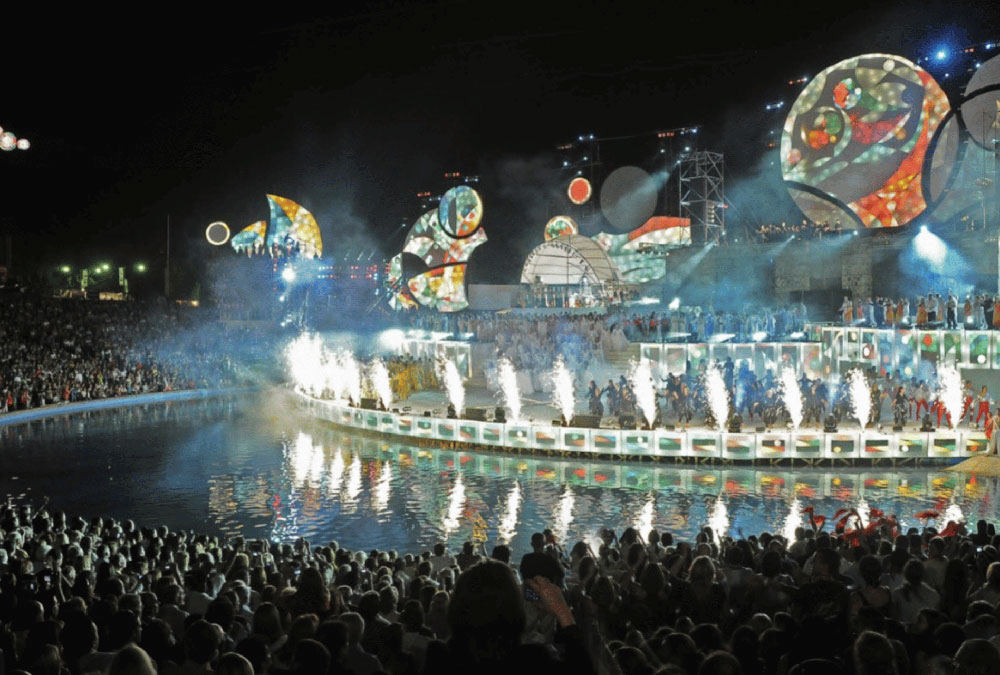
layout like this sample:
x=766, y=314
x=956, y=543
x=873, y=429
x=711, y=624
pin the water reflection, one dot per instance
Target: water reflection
x=224, y=467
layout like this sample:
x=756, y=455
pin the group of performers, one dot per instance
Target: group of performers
x=978, y=312
x=683, y=396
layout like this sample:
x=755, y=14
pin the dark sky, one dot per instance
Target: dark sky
x=134, y=118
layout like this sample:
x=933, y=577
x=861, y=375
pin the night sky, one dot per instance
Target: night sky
x=135, y=118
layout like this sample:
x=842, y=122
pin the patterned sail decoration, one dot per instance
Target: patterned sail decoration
x=301, y=226
x=250, y=237
x=281, y=224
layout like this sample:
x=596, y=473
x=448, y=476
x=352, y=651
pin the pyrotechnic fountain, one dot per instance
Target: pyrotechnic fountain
x=645, y=393
x=379, y=376
x=304, y=356
x=508, y=523
x=950, y=392
x=350, y=377
x=791, y=394
x=562, y=390
x=861, y=396
x=454, y=385
x=718, y=397
x=508, y=388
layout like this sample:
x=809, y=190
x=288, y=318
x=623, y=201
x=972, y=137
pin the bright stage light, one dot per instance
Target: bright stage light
x=64, y=269
x=140, y=267
x=675, y=303
x=759, y=336
x=23, y=144
x=281, y=298
x=930, y=248
x=941, y=55
x=288, y=274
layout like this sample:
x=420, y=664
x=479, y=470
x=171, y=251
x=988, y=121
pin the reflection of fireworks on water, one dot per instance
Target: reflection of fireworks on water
x=718, y=519
x=562, y=390
x=644, y=523
x=382, y=487
x=864, y=511
x=718, y=397
x=861, y=396
x=791, y=394
x=508, y=523
x=456, y=502
x=336, y=472
x=454, y=385
x=793, y=521
x=353, y=481
x=508, y=387
x=645, y=394
x=564, y=514
x=952, y=513
x=950, y=392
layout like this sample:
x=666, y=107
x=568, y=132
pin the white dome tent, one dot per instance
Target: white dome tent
x=569, y=260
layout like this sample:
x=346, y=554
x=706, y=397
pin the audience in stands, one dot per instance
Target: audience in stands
x=858, y=594
x=60, y=350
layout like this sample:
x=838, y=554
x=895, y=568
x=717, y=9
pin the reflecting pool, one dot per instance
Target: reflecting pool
x=253, y=465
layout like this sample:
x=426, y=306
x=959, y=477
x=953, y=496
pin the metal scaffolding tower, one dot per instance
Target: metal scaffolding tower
x=703, y=195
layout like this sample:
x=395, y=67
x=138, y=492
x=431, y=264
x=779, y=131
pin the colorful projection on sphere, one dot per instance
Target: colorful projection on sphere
x=292, y=227
x=854, y=143
x=560, y=226
x=443, y=240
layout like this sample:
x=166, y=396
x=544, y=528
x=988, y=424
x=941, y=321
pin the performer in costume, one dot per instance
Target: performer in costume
x=992, y=436
x=983, y=406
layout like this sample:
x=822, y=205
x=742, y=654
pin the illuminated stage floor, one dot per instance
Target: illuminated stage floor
x=849, y=444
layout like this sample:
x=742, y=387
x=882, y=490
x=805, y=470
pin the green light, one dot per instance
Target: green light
x=140, y=267
x=105, y=267
x=65, y=269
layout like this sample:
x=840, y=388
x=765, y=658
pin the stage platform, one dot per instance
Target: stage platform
x=847, y=445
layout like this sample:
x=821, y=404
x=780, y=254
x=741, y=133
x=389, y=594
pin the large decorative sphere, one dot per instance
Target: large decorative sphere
x=460, y=211
x=8, y=141
x=854, y=143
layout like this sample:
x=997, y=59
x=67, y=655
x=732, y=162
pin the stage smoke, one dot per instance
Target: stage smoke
x=861, y=396
x=508, y=388
x=562, y=390
x=645, y=394
x=791, y=394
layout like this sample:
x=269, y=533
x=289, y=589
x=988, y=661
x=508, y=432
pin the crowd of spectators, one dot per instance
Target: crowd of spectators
x=771, y=232
x=974, y=311
x=850, y=593
x=62, y=350
x=408, y=375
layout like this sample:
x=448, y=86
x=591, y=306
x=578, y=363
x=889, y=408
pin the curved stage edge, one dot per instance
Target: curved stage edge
x=59, y=409
x=846, y=446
